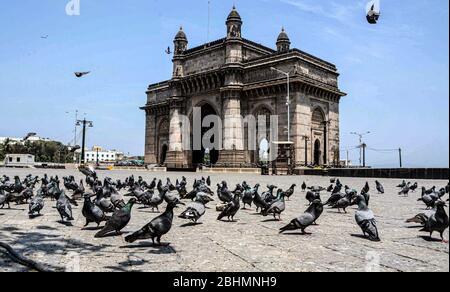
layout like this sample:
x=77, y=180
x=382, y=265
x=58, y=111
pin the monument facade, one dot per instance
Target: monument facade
x=232, y=78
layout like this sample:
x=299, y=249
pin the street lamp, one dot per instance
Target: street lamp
x=361, y=144
x=84, y=123
x=288, y=99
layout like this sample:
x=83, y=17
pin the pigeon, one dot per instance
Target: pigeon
x=277, y=207
x=343, y=203
x=64, y=208
x=311, y=197
x=224, y=193
x=92, y=212
x=305, y=220
x=438, y=222
x=289, y=192
x=422, y=218
x=334, y=199
x=119, y=220
x=158, y=227
x=249, y=195
x=304, y=186
x=380, y=187
x=203, y=198
x=232, y=208
x=259, y=202
x=330, y=188
x=79, y=192
x=405, y=190
x=430, y=191
x=194, y=211
x=366, y=220
x=427, y=199
x=81, y=74
x=366, y=188
x=36, y=205
x=414, y=187
x=402, y=185
x=4, y=199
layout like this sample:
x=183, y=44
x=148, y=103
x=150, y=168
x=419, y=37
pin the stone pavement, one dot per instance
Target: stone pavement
x=251, y=244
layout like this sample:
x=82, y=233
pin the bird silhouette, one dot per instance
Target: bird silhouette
x=81, y=74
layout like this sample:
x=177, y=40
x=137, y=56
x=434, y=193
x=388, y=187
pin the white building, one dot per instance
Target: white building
x=19, y=160
x=102, y=156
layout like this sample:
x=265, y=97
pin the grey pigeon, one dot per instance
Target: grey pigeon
x=405, y=190
x=366, y=220
x=438, y=222
x=64, y=208
x=428, y=199
x=232, y=208
x=158, y=227
x=194, y=211
x=380, y=187
x=4, y=199
x=312, y=196
x=343, y=203
x=289, y=192
x=304, y=186
x=36, y=205
x=92, y=212
x=305, y=220
x=119, y=220
x=277, y=207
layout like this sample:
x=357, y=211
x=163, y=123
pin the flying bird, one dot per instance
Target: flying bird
x=373, y=11
x=168, y=51
x=81, y=74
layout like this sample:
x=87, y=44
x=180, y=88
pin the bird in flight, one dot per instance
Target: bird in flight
x=168, y=51
x=81, y=74
x=44, y=37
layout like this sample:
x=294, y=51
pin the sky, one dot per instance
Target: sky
x=395, y=73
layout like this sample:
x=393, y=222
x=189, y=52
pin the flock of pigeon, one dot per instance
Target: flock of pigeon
x=112, y=202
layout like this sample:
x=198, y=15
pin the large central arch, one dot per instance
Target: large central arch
x=198, y=156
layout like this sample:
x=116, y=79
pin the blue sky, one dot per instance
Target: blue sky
x=395, y=73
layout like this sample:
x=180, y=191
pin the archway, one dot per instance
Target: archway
x=162, y=158
x=162, y=141
x=212, y=155
x=317, y=152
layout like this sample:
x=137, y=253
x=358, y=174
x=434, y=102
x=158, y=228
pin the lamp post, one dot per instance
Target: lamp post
x=360, y=135
x=84, y=123
x=288, y=100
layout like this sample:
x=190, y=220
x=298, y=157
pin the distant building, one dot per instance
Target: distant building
x=19, y=160
x=101, y=155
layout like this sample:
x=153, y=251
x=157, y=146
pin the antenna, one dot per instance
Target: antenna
x=209, y=21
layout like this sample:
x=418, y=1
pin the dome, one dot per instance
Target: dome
x=234, y=15
x=283, y=37
x=181, y=35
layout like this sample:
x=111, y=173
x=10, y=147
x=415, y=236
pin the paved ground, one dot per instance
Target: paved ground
x=251, y=244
